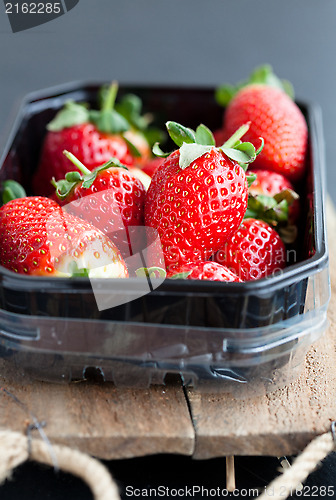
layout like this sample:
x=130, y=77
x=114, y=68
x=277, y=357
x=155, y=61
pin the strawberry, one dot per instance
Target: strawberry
x=205, y=271
x=198, y=196
x=254, y=251
x=270, y=184
x=141, y=175
x=38, y=238
x=150, y=166
x=111, y=198
x=93, y=136
x=273, y=114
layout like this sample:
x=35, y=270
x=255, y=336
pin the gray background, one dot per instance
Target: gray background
x=177, y=41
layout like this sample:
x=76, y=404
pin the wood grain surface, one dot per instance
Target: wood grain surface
x=112, y=423
x=103, y=420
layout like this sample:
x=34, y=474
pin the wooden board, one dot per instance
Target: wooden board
x=282, y=422
x=102, y=420
x=119, y=423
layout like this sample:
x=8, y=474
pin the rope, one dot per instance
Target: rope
x=15, y=448
x=302, y=466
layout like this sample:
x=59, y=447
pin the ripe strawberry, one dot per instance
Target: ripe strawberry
x=38, y=238
x=141, y=175
x=93, y=136
x=274, y=116
x=151, y=165
x=111, y=198
x=254, y=251
x=268, y=185
x=198, y=196
x=205, y=271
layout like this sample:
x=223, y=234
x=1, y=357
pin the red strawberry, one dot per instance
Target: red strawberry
x=273, y=116
x=38, y=238
x=270, y=184
x=93, y=136
x=151, y=165
x=205, y=271
x=198, y=196
x=254, y=251
x=111, y=198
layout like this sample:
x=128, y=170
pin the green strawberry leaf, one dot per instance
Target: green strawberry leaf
x=133, y=149
x=109, y=121
x=204, y=136
x=130, y=108
x=242, y=153
x=250, y=178
x=65, y=186
x=180, y=134
x=261, y=75
x=73, y=177
x=268, y=209
x=70, y=115
x=190, y=153
x=157, y=151
x=154, y=134
x=86, y=176
x=224, y=94
x=264, y=75
x=11, y=190
x=181, y=276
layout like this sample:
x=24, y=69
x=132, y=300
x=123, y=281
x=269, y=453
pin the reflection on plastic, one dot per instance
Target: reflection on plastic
x=143, y=250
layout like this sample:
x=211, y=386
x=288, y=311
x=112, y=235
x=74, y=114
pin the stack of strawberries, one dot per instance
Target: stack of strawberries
x=223, y=204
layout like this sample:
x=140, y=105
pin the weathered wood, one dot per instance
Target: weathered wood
x=281, y=422
x=102, y=420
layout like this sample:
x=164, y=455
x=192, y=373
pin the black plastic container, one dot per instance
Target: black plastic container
x=202, y=330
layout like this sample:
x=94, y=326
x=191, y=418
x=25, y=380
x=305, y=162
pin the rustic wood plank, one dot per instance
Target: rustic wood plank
x=102, y=420
x=281, y=422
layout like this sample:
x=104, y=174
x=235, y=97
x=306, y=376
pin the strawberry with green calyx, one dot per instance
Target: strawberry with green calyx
x=263, y=101
x=198, y=195
x=94, y=136
x=262, y=75
x=110, y=197
x=205, y=271
x=11, y=190
x=254, y=251
x=38, y=238
x=272, y=199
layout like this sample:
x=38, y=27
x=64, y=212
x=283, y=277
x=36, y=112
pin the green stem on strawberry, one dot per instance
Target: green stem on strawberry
x=85, y=176
x=194, y=144
x=235, y=138
x=81, y=167
x=110, y=98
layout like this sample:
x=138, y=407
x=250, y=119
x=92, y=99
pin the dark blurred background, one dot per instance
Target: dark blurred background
x=177, y=42
x=172, y=42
